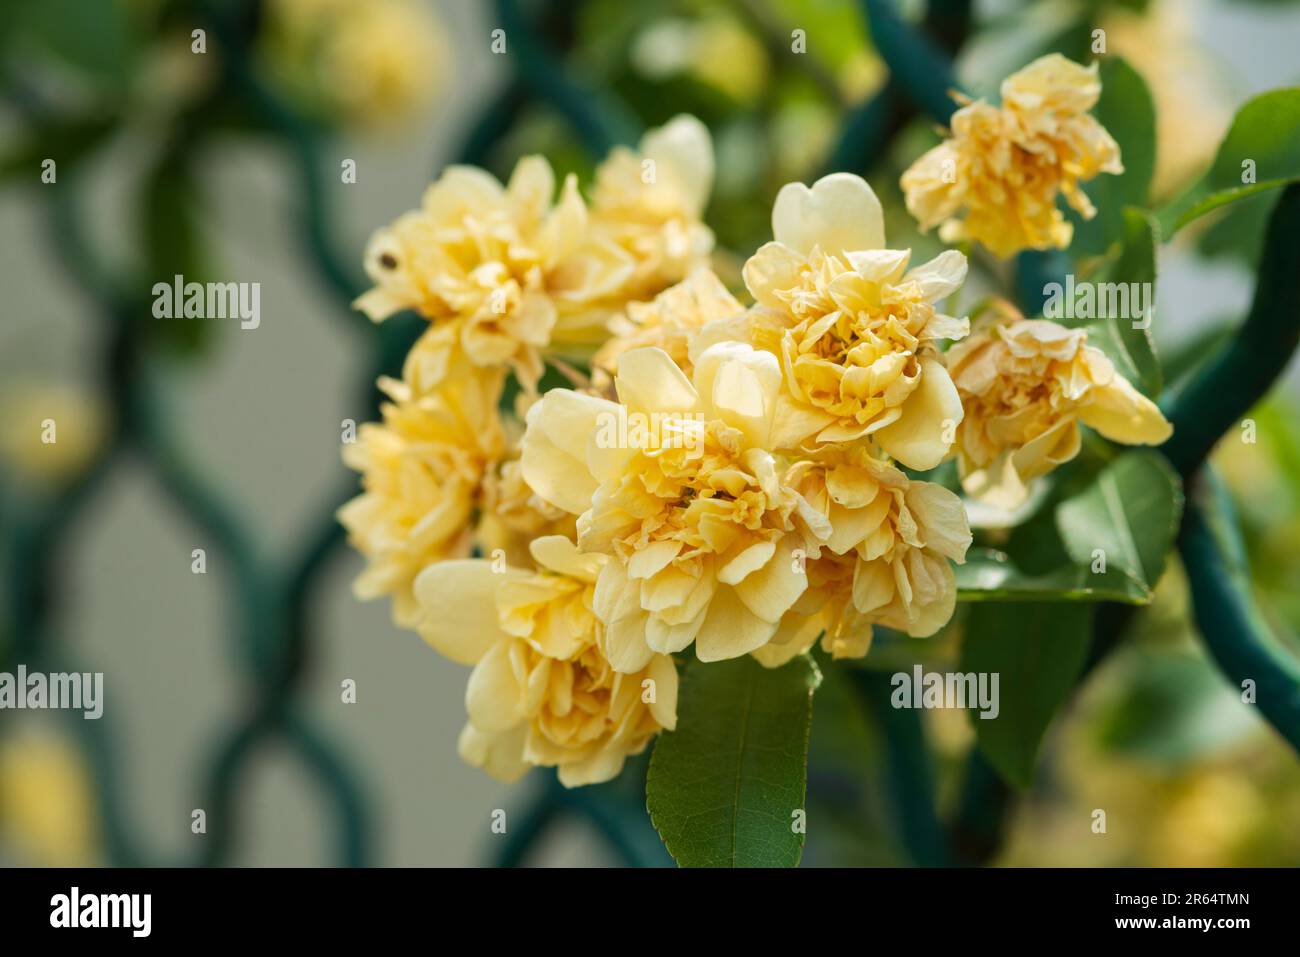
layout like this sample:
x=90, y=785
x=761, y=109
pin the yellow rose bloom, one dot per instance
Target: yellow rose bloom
x=650, y=202
x=1026, y=384
x=491, y=266
x=855, y=330
x=883, y=549
x=542, y=692
x=668, y=322
x=996, y=179
x=421, y=471
x=676, y=484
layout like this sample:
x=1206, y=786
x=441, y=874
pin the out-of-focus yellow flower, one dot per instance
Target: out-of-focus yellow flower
x=1210, y=816
x=1025, y=385
x=542, y=692
x=855, y=331
x=1192, y=111
x=887, y=543
x=51, y=432
x=47, y=814
x=490, y=266
x=676, y=484
x=996, y=179
x=668, y=323
x=378, y=62
x=715, y=49
x=421, y=471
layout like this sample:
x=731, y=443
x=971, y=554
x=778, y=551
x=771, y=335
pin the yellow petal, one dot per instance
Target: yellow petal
x=493, y=696
x=770, y=591
x=558, y=554
x=840, y=214
x=730, y=629
x=739, y=385
x=500, y=754
x=663, y=673
x=683, y=153
x=649, y=381
x=1122, y=414
x=942, y=519
x=458, y=611
x=922, y=434
x=554, y=457
x=773, y=268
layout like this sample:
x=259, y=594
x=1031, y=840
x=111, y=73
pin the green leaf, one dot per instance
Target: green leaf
x=1130, y=513
x=1266, y=130
x=991, y=576
x=1037, y=650
x=1126, y=339
x=724, y=787
x=1127, y=112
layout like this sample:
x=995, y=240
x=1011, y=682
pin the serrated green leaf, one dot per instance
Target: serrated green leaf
x=1266, y=130
x=1037, y=650
x=724, y=788
x=1125, y=109
x=1129, y=513
x=991, y=576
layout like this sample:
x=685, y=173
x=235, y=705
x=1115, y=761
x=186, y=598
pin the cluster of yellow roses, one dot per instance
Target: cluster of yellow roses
x=762, y=507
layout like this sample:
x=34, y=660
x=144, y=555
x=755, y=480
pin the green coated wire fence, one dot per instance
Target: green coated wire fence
x=272, y=631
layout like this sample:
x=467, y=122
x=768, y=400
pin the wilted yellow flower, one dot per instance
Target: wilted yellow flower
x=542, y=692
x=996, y=179
x=378, y=62
x=883, y=547
x=1026, y=384
x=421, y=471
x=856, y=333
x=676, y=484
x=668, y=323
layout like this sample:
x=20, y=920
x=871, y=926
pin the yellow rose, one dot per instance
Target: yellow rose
x=490, y=266
x=542, y=692
x=996, y=179
x=651, y=202
x=676, y=484
x=856, y=332
x=421, y=471
x=1025, y=385
x=883, y=543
